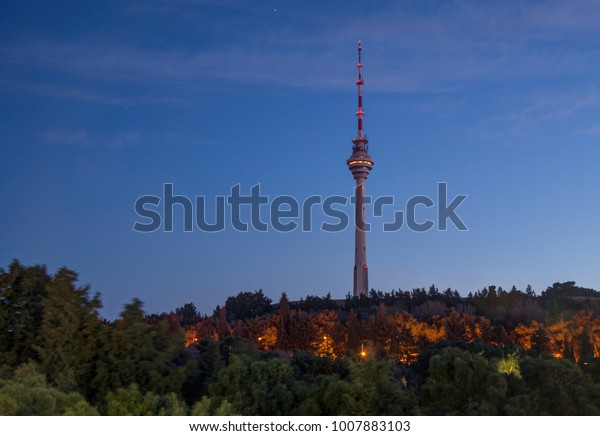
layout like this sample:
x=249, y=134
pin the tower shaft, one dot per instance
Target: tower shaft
x=361, y=269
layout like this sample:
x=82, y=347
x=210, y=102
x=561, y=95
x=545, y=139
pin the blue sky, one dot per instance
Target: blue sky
x=103, y=102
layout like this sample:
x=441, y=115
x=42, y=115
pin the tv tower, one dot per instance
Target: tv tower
x=360, y=163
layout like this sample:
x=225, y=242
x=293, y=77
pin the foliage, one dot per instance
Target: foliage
x=134, y=351
x=369, y=390
x=22, y=290
x=68, y=338
x=208, y=407
x=462, y=383
x=28, y=393
x=188, y=314
x=553, y=387
x=257, y=387
x=397, y=353
x=130, y=401
x=246, y=305
x=510, y=365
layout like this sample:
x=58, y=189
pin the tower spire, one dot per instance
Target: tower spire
x=360, y=164
x=360, y=82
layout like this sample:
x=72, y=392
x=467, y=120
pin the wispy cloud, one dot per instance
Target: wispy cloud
x=539, y=114
x=411, y=47
x=84, y=138
x=593, y=130
x=124, y=139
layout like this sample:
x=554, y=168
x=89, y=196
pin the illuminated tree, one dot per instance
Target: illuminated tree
x=268, y=341
x=190, y=337
x=587, y=342
x=523, y=333
x=559, y=338
x=206, y=328
x=323, y=346
x=405, y=344
x=456, y=328
x=329, y=337
x=252, y=330
x=510, y=365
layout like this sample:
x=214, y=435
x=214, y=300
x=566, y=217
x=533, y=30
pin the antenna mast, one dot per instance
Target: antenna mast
x=360, y=82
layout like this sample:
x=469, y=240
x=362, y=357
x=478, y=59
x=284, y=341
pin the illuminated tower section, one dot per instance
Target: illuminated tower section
x=360, y=163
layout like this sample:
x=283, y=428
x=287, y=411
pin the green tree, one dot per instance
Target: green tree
x=22, y=290
x=257, y=387
x=208, y=407
x=301, y=331
x=510, y=365
x=223, y=328
x=587, y=349
x=283, y=327
x=206, y=361
x=381, y=329
x=550, y=386
x=462, y=383
x=67, y=343
x=353, y=343
x=540, y=343
x=246, y=305
x=131, y=401
x=188, y=314
x=369, y=389
x=135, y=352
x=27, y=393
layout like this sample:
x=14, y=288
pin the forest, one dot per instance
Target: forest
x=418, y=352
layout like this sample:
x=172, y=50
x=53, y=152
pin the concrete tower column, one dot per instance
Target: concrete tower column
x=361, y=269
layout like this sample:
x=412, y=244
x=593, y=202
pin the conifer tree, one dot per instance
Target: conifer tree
x=353, y=343
x=223, y=329
x=587, y=349
x=136, y=352
x=283, y=330
x=67, y=343
x=540, y=342
x=22, y=290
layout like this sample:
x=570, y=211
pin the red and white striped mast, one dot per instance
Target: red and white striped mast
x=360, y=82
